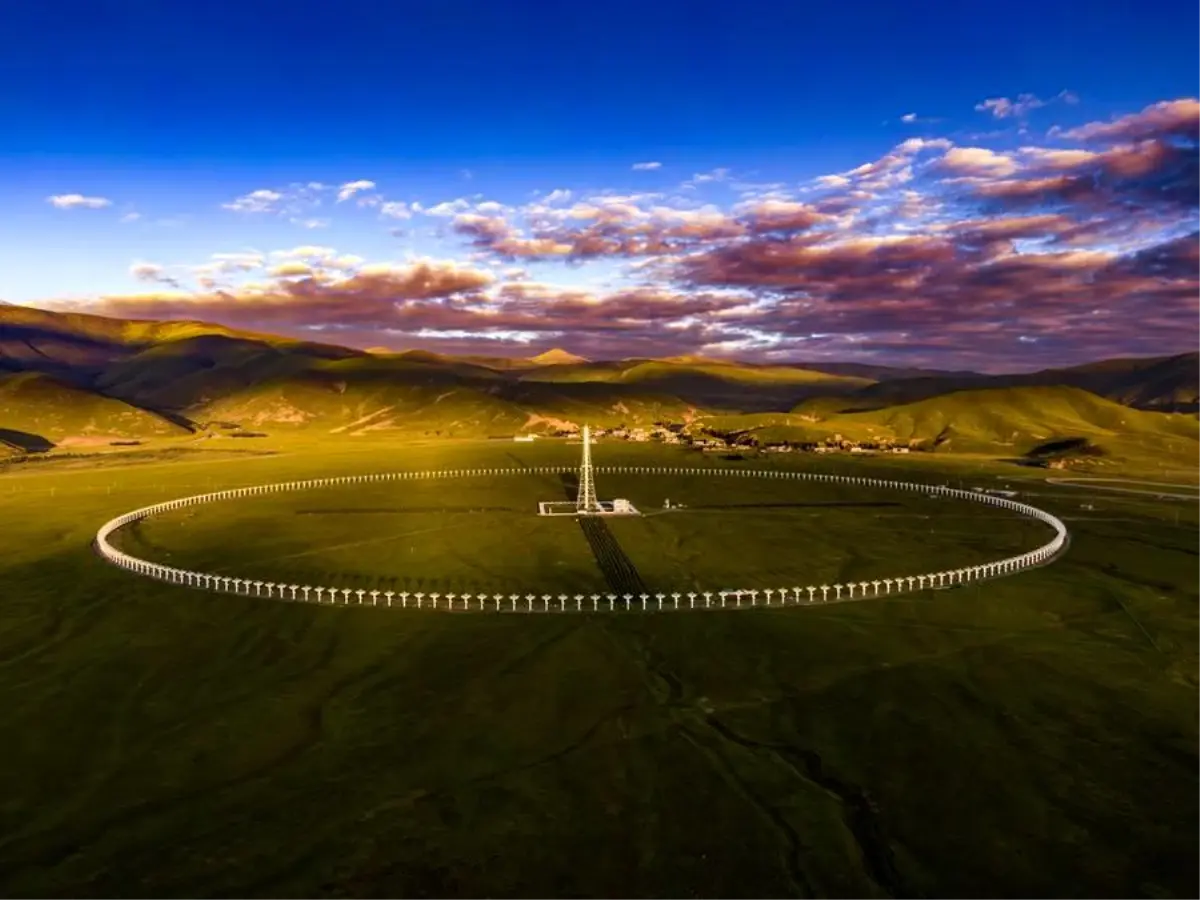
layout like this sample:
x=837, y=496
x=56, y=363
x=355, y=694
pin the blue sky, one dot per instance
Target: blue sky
x=152, y=119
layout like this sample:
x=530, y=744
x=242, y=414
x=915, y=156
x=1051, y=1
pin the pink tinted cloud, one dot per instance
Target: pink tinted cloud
x=781, y=216
x=370, y=309
x=931, y=252
x=1150, y=173
x=976, y=161
x=1178, y=118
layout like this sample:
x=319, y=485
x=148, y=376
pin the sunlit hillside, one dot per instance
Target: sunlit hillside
x=991, y=420
x=40, y=406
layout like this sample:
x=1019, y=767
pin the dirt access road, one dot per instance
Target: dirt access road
x=1106, y=484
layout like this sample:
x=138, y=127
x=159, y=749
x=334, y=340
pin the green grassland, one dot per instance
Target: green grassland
x=458, y=536
x=1034, y=735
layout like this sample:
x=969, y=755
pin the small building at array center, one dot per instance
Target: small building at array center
x=585, y=503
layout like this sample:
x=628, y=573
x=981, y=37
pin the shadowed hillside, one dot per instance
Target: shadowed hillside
x=39, y=405
x=80, y=345
x=706, y=382
x=1166, y=383
x=183, y=374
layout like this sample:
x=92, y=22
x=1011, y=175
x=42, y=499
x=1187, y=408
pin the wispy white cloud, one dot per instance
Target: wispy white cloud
x=297, y=200
x=395, y=210
x=447, y=208
x=350, y=188
x=559, y=195
x=260, y=201
x=1004, y=108
x=913, y=119
x=646, y=166
x=243, y=261
x=78, y=201
x=715, y=176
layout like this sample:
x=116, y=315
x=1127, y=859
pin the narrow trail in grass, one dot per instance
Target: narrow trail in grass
x=689, y=721
x=699, y=725
x=860, y=812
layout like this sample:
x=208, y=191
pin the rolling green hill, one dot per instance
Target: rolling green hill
x=357, y=397
x=600, y=404
x=36, y=405
x=1020, y=418
x=329, y=401
x=1009, y=421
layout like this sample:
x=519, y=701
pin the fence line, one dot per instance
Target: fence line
x=531, y=603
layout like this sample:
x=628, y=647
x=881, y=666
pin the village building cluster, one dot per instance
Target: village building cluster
x=701, y=437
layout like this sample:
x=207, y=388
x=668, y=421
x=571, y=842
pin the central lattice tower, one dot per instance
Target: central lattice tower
x=586, y=501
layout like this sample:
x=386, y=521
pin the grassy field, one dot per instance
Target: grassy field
x=459, y=536
x=1035, y=735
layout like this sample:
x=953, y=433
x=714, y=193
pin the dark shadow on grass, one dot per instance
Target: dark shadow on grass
x=617, y=568
x=25, y=441
x=374, y=510
x=827, y=504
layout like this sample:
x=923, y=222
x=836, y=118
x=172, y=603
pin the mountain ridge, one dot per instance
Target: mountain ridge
x=191, y=374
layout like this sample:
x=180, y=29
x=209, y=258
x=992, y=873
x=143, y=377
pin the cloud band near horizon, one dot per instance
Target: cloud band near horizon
x=937, y=253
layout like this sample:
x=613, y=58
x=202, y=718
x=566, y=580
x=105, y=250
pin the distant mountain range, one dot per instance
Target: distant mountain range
x=75, y=377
